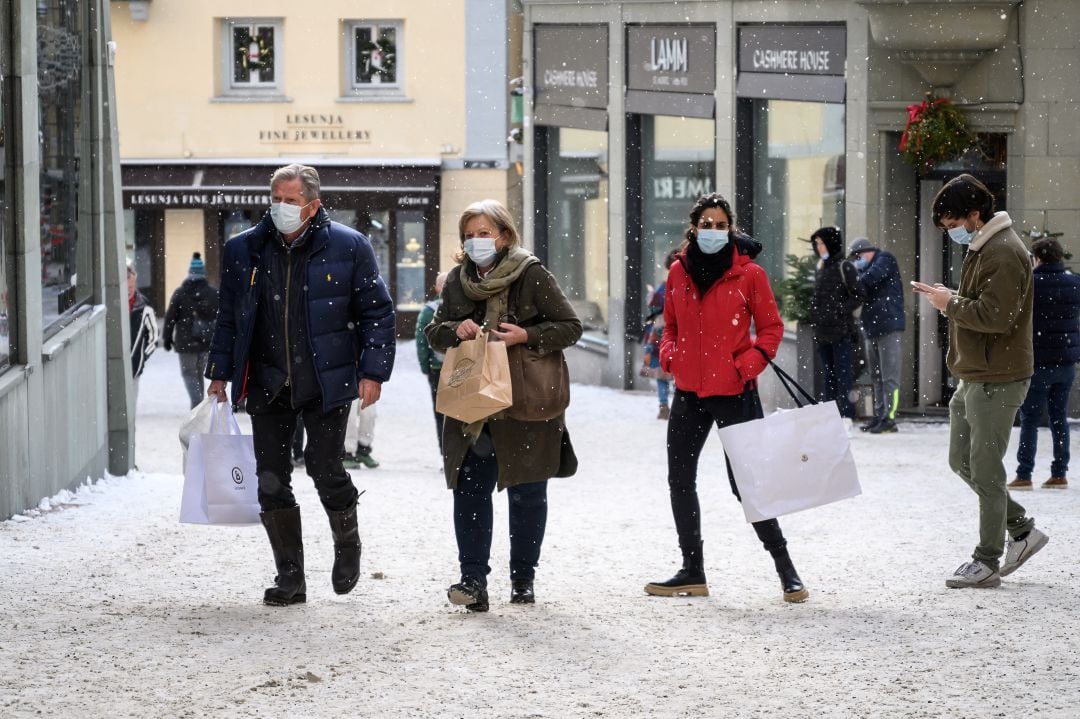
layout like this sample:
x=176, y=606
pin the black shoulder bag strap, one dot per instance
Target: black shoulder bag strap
x=788, y=382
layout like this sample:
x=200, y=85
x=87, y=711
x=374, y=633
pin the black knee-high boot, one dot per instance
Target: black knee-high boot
x=343, y=527
x=286, y=540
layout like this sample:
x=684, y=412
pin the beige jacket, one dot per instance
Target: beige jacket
x=990, y=314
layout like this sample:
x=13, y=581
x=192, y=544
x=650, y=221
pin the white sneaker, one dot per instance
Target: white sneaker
x=973, y=574
x=1021, y=550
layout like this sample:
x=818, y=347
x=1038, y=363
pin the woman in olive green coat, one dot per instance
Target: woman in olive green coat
x=503, y=289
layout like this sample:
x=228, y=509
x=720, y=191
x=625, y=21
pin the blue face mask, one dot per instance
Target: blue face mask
x=960, y=235
x=711, y=241
x=861, y=263
x=824, y=255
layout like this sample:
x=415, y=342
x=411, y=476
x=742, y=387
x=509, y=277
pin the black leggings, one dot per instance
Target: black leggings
x=692, y=417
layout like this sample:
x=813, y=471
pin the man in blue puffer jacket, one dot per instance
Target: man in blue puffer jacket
x=883, y=327
x=1055, y=325
x=305, y=326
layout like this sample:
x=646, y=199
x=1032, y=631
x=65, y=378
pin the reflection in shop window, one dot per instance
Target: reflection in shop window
x=677, y=168
x=577, y=216
x=409, y=288
x=798, y=176
x=66, y=244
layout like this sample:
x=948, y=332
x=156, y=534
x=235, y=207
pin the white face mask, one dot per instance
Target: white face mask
x=711, y=241
x=286, y=218
x=481, y=250
x=961, y=235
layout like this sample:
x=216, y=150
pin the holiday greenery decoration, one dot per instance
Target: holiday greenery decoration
x=936, y=131
x=796, y=291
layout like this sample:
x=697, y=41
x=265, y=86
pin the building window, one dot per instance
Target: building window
x=66, y=237
x=678, y=166
x=252, y=49
x=577, y=221
x=7, y=243
x=373, y=54
x=796, y=184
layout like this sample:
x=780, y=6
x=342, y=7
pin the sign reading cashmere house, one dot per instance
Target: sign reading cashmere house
x=571, y=75
x=792, y=62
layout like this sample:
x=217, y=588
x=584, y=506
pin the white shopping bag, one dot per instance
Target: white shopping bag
x=198, y=422
x=791, y=460
x=220, y=484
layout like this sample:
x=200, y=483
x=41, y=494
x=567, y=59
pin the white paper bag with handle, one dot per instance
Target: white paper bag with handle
x=198, y=422
x=220, y=484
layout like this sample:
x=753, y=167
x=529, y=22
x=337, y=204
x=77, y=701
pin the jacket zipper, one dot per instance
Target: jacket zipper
x=288, y=282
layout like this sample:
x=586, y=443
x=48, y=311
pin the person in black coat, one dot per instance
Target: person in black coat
x=1056, y=342
x=189, y=326
x=836, y=296
x=305, y=327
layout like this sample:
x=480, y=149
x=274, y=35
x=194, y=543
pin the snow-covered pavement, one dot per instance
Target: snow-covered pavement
x=110, y=607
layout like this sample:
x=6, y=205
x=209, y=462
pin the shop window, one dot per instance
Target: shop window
x=251, y=55
x=63, y=101
x=409, y=288
x=577, y=220
x=7, y=244
x=797, y=181
x=373, y=56
x=677, y=168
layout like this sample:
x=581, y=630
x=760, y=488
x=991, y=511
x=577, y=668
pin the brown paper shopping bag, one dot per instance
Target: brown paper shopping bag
x=475, y=380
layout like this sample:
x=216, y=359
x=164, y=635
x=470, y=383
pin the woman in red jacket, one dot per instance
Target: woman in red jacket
x=714, y=292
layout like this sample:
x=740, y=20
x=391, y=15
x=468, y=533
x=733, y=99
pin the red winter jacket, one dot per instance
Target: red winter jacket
x=707, y=344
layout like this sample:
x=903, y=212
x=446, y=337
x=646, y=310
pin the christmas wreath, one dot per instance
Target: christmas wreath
x=936, y=130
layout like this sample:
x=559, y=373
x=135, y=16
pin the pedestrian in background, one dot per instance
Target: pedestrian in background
x=714, y=292
x=144, y=333
x=837, y=295
x=361, y=430
x=1056, y=343
x=501, y=288
x=651, y=335
x=431, y=361
x=882, y=319
x=189, y=326
x=990, y=352
x=294, y=288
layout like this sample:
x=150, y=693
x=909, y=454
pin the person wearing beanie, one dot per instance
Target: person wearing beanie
x=883, y=321
x=832, y=313
x=189, y=326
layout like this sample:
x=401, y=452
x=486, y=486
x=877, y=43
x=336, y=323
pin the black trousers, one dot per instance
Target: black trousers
x=433, y=383
x=692, y=417
x=273, y=422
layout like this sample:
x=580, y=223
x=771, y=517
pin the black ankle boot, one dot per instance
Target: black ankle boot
x=286, y=540
x=688, y=581
x=471, y=593
x=521, y=591
x=347, y=548
x=794, y=591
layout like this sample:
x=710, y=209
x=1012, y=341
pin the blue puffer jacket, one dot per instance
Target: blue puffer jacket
x=1055, y=326
x=350, y=317
x=883, y=308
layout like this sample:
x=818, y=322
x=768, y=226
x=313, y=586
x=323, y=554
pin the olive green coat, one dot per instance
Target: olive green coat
x=526, y=451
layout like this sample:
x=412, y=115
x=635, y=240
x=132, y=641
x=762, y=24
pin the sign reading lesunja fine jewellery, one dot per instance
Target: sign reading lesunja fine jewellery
x=315, y=128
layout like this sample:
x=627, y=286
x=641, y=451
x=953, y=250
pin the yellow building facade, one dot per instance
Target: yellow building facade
x=403, y=107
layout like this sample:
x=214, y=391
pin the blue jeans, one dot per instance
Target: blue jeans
x=663, y=387
x=473, y=519
x=836, y=365
x=1049, y=388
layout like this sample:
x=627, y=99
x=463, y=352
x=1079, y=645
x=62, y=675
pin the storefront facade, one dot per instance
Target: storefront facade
x=405, y=114
x=64, y=372
x=793, y=111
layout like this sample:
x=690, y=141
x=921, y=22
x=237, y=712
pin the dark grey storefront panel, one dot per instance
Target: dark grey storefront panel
x=671, y=58
x=759, y=86
x=792, y=62
x=581, y=118
x=571, y=66
x=676, y=104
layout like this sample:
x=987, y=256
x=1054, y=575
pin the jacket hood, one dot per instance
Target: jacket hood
x=834, y=241
x=1000, y=221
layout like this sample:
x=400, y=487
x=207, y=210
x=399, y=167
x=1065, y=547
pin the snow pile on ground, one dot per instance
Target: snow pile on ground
x=110, y=607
